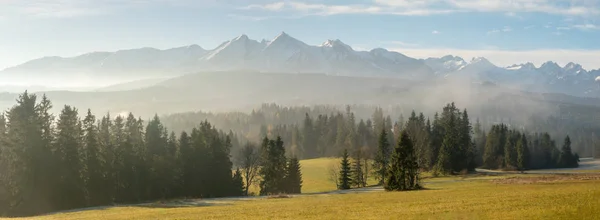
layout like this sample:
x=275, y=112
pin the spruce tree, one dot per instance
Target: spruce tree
x=273, y=167
x=238, y=184
x=357, y=170
x=522, y=153
x=404, y=169
x=69, y=151
x=293, y=176
x=381, y=161
x=567, y=159
x=509, y=152
x=345, y=177
x=96, y=185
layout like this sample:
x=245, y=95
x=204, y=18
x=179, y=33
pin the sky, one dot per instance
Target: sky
x=504, y=31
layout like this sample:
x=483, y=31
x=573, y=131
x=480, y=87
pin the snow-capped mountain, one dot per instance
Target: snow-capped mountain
x=286, y=54
x=445, y=64
x=549, y=77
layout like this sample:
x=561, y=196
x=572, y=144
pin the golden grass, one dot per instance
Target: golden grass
x=473, y=199
x=514, y=196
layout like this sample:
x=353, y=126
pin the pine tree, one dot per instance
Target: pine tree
x=293, y=176
x=309, y=143
x=448, y=155
x=238, y=184
x=25, y=156
x=345, y=171
x=381, y=161
x=96, y=185
x=357, y=170
x=567, y=159
x=69, y=151
x=522, y=153
x=404, y=169
x=273, y=167
x=509, y=152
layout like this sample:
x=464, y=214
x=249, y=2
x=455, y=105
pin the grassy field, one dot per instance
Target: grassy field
x=513, y=196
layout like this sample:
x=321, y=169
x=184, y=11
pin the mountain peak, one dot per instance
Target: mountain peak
x=335, y=43
x=480, y=60
x=549, y=64
x=285, y=39
x=572, y=65
x=282, y=35
x=574, y=68
x=526, y=66
x=242, y=37
x=451, y=58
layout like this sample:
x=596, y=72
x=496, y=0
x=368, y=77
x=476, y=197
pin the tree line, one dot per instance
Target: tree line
x=448, y=144
x=68, y=162
x=53, y=163
x=577, y=121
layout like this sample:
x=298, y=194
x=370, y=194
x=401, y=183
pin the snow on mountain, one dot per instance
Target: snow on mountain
x=445, y=64
x=525, y=66
x=240, y=50
x=287, y=54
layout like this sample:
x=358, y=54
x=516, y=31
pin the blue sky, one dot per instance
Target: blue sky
x=504, y=31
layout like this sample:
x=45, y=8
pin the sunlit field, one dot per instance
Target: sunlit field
x=514, y=196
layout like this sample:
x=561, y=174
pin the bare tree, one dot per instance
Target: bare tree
x=248, y=160
x=334, y=172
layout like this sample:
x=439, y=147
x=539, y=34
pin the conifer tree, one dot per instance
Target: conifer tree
x=404, y=169
x=69, y=151
x=567, y=159
x=96, y=185
x=238, y=184
x=381, y=161
x=522, y=153
x=293, y=176
x=357, y=170
x=345, y=176
x=273, y=167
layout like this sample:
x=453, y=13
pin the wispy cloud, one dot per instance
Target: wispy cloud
x=435, y=32
x=423, y=7
x=505, y=29
x=76, y=8
x=586, y=27
x=513, y=15
x=402, y=44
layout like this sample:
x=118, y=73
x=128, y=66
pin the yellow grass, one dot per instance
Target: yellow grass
x=515, y=196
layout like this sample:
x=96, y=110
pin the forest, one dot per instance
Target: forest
x=50, y=163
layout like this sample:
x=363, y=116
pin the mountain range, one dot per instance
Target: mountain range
x=285, y=54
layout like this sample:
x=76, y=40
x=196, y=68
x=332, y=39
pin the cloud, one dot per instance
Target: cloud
x=586, y=27
x=77, y=8
x=513, y=15
x=272, y=6
x=435, y=32
x=505, y=29
x=380, y=7
x=587, y=58
x=529, y=27
x=403, y=44
x=430, y=7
